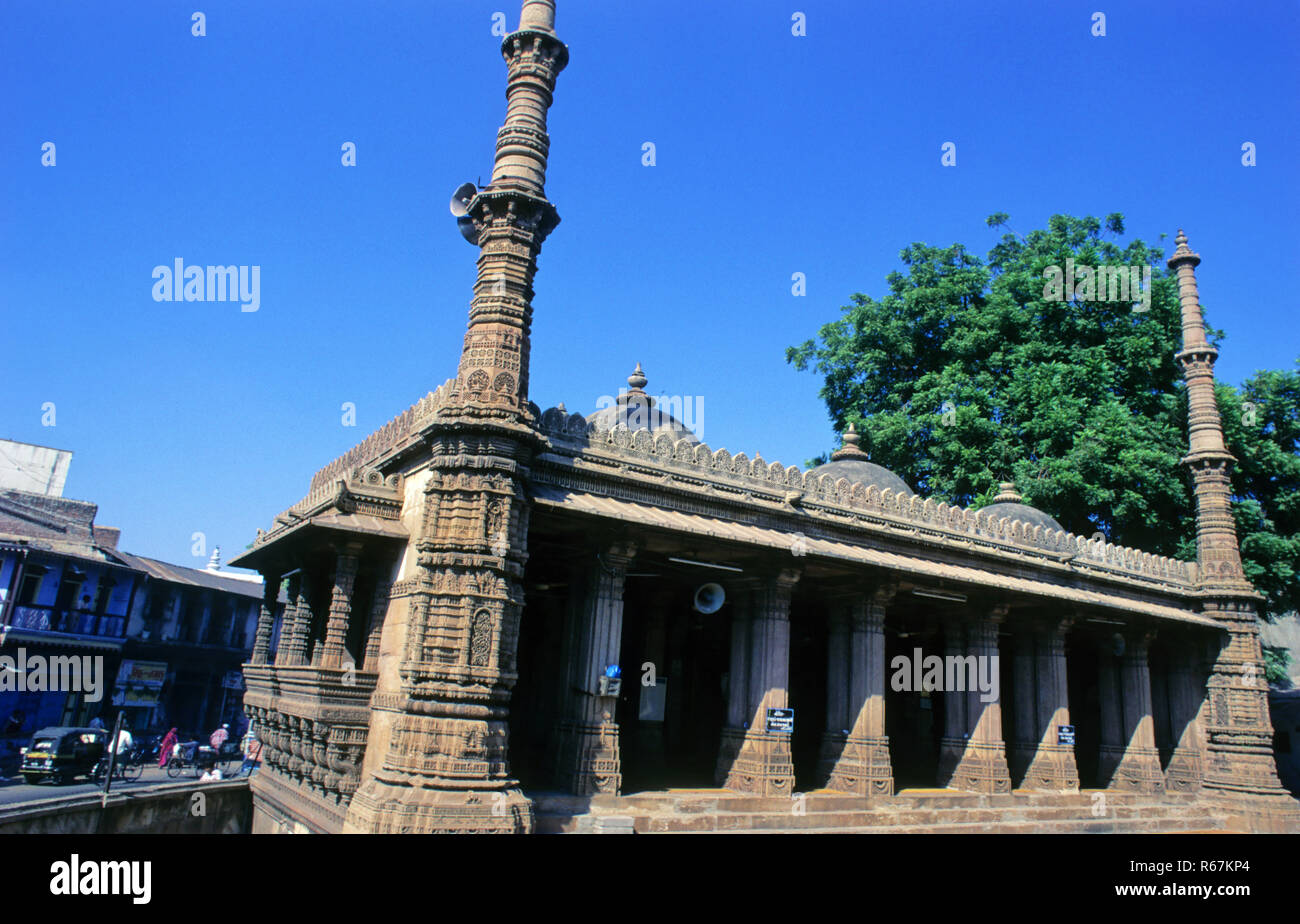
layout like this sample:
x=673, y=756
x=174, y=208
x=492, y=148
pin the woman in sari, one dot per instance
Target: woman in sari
x=165, y=750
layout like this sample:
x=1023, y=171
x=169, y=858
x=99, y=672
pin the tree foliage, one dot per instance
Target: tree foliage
x=966, y=373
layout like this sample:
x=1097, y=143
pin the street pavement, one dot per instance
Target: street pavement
x=15, y=789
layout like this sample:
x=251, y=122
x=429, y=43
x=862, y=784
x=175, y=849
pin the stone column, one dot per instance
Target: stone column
x=739, y=706
x=764, y=765
x=953, y=743
x=266, y=619
x=297, y=617
x=1186, y=704
x=336, y=628
x=589, y=762
x=1053, y=766
x=375, y=624
x=863, y=767
x=982, y=766
x=1139, y=769
x=838, y=654
x=1026, y=730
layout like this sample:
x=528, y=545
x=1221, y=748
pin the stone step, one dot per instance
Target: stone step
x=1130, y=826
x=693, y=803
x=911, y=820
x=1047, y=813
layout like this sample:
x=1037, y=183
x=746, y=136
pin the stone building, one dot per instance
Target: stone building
x=493, y=606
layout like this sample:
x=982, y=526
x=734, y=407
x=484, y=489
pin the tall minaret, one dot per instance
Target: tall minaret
x=1238, y=734
x=1218, y=556
x=437, y=752
x=510, y=218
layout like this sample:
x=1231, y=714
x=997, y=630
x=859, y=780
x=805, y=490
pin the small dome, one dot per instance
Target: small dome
x=636, y=410
x=852, y=463
x=1008, y=503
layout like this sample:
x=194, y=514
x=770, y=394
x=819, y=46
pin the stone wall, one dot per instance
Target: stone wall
x=224, y=808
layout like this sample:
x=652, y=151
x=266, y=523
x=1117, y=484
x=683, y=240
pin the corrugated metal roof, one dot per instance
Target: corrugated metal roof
x=698, y=525
x=194, y=577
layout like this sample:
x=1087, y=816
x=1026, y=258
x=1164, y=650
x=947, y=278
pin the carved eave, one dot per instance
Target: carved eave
x=694, y=478
x=367, y=505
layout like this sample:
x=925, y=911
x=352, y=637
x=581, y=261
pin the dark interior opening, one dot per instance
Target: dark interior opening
x=1085, y=707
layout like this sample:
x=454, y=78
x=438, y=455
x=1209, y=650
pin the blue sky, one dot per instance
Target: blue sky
x=776, y=154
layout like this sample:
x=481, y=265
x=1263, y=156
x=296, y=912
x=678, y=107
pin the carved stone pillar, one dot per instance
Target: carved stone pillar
x=375, y=625
x=952, y=745
x=336, y=628
x=764, y=764
x=589, y=762
x=1139, y=769
x=739, y=706
x=863, y=766
x=982, y=764
x=1053, y=766
x=838, y=654
x=1186, y=704
x=1239, y=756
x=297, y=623
x=266, y=619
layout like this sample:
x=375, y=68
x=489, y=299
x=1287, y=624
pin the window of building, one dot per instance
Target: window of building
x=29, y=593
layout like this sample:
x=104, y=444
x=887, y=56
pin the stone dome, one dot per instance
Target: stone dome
x=636, y=410
x=1008, y=503
x=851, y=463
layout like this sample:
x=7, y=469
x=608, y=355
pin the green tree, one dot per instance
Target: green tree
x=968, y=372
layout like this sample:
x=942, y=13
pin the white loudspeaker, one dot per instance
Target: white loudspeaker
x=709, y=598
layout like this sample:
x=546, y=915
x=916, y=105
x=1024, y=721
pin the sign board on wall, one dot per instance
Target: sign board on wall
x=780, y=720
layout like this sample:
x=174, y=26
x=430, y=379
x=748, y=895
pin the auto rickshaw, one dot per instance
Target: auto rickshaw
x=61, y=753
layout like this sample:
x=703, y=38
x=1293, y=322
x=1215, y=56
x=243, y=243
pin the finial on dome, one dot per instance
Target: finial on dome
x=849, y=449
x=1007, y=494
x=635, y=393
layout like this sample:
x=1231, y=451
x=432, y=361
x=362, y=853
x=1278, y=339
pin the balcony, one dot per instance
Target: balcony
x=313, y=723
x=72, y=621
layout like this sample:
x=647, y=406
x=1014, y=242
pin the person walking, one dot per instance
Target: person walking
x=165, y=749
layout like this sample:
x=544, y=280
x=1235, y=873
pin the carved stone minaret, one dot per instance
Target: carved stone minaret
x=1239, y=734
x=509, y=220
x=436, y=758
x=1218, y=556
